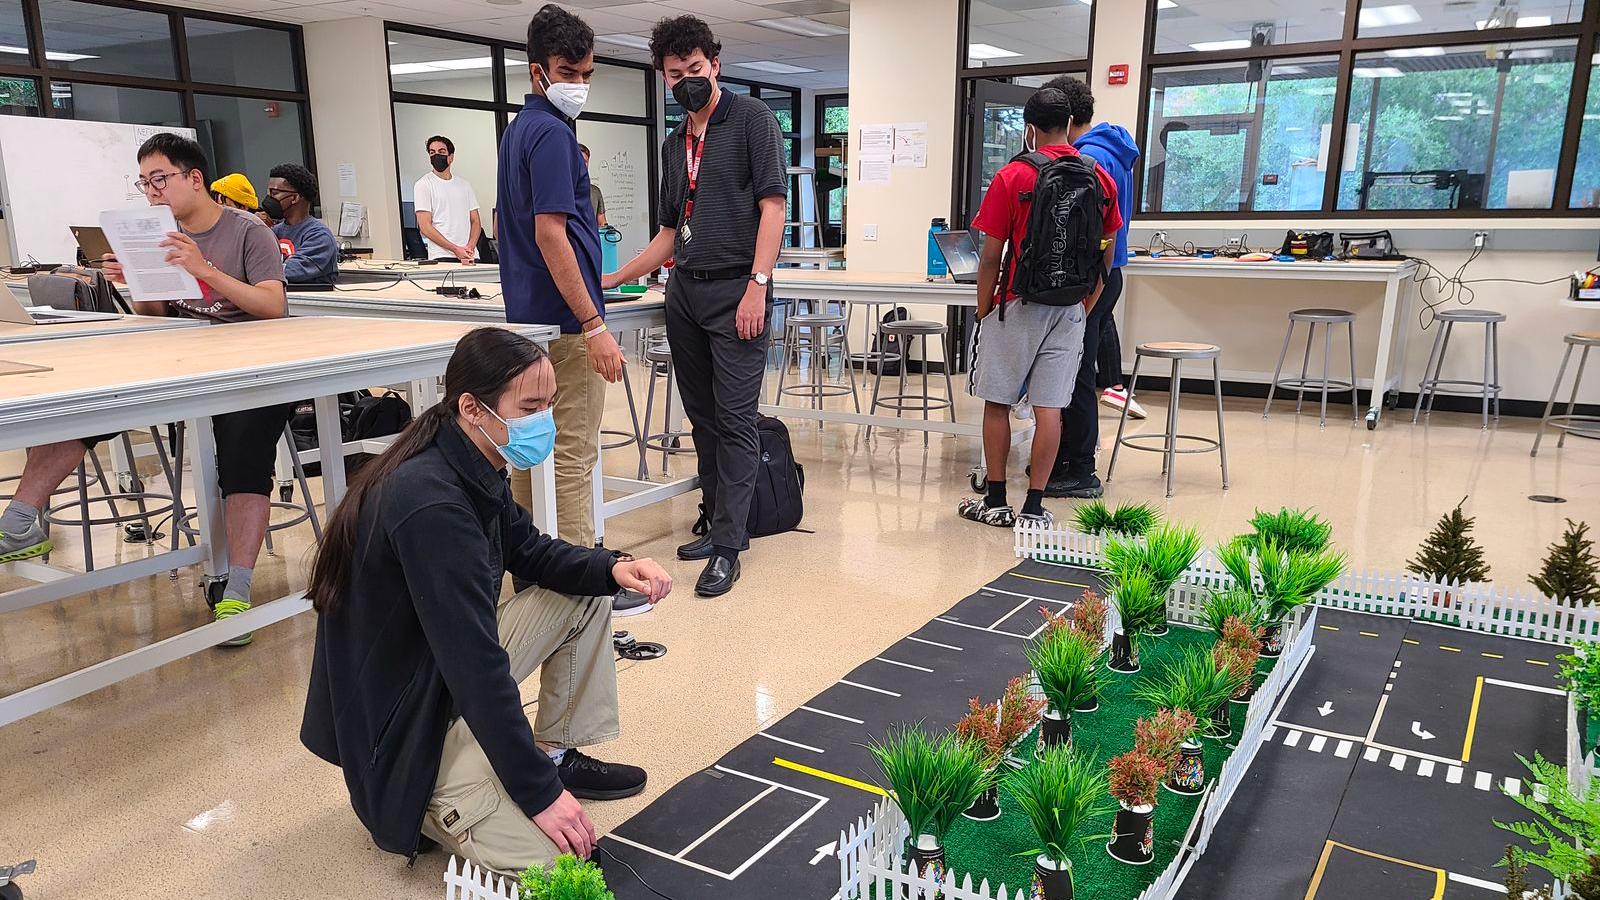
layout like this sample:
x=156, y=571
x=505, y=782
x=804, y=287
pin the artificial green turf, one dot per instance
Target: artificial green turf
x=1001, y=850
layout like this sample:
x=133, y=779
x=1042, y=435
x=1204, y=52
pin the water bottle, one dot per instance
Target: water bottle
x=609, y=239
x=936, y=264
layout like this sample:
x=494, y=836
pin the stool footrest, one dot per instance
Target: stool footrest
x=1132, y=442
x=1458, y=386
x=1335, y=386
x=903, y=402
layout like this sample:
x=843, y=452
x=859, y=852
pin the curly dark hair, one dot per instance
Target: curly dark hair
x=681, y=37
x=1047, y=110
x=555, y=33
x=1079, y=98
x=299, y=178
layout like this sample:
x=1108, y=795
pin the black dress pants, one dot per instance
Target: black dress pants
x=1080, y=421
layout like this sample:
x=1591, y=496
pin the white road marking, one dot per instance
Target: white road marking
x=1477, y=883
x=1454, y=775
x=934, y=643
x=868, y=687
x=726, y=819
x=1343, y=750
x=1425, y=768
x=1014, y=610
x=1372, y=754
x=893, y=662
x=1292, y=739
x=1482, y=781
x=780, y=740
x=833, y=715
x=1268, y=733
x=1525, y=687
x=1539, y=792
x=1317, y=741
x=1398, y=762
x=1513, y=785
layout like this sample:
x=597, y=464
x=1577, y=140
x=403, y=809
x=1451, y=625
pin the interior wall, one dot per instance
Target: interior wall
x=347, y=71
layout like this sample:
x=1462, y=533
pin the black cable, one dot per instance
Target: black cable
x=647, y=885
x=382, y=287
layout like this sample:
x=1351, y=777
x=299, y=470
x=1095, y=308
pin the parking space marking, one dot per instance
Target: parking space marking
x=1014, y=610
x=934, y=643
x=895, y=662
x=780, y=740
x=1048, y=580
x=868, y=687
x=726, y=819
x=833, y=715
x=949, y=621
x=828, y=776
x=1327, y=851
x=1517, y=685
x=1476, y=882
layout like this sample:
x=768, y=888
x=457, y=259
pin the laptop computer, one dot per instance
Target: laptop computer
x=12, y=311
x=92, y=243
x=960, y=255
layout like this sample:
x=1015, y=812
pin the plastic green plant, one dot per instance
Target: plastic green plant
x=1093, y=517
x=1058, y=793
x=1450, y=555
x=1565, y=829
x=1234, y=603
x=1192, y=683
x=1136, y=777
x=1236, y=557
x=1139, y=607
x=570, y=878
x=1570, y=573
x=1134, y=519
x=1291, y=579
x=932, y=779
x=1164, y=555
x=1064, y=663
x=1160, y=736
x=1292, y=530
x=1581, y=669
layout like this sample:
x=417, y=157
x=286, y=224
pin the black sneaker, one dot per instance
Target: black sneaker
x=629, y=603
x=1085, y=487
x=588, y=778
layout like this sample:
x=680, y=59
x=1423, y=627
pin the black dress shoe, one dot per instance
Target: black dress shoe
x=699, y=548
x=718, y=578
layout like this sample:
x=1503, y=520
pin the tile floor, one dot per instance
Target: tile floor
x=190, y=781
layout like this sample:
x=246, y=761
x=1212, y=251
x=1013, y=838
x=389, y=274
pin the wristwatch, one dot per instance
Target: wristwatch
x=760, y=278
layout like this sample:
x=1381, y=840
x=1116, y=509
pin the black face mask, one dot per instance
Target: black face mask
x=272, y=208
x=693, y=93
x=440, y=162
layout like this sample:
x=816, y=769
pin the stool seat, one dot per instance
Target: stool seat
x=1570, y=422
x=911, y=327
x=1470, y=315
x=1584, y=338
x=815, y=319
x=1178, y=350
x=658, y=353
x=1323, y=315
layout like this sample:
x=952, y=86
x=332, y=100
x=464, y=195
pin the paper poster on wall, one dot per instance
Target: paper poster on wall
x=347, y=179
x=875, y=170
x=877, y=140
x=911, y=145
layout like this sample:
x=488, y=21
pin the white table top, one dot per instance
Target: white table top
x=21, y=334
x=409, y=300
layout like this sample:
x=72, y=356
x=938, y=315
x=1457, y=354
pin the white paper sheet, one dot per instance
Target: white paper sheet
x=351, y=218
x=347, y=179
x=136, y=235
x=877, y=140
x=874, y=170
x=911, y=145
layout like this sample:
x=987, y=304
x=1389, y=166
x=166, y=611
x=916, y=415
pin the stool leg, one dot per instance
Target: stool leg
x=1305, y=369
x=166, y=471
x=136, y=484
x=905, y=366
x=1572, y=400
x=1171, y=456
x=877, y=390
x=1494, y=332
x=1122, y=420
x=1488, y=339
x=83, y=501
x=1427, y=368
x=305, y=489
x=666, y=456
x=1277, y=373
x=819, y=367
x=633, y=416
x=846, y=363
x=1222, y=440
x=1355, y=401
x=1438, y=367
x=949, y=390
x=1327, y=351
x=1549, y=406
x=927, y=408
x=649, y=407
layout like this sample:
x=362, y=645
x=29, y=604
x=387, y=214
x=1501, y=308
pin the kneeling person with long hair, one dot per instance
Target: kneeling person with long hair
x=414, y=680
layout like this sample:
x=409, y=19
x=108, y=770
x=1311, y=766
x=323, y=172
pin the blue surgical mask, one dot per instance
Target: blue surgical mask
x=529, y=438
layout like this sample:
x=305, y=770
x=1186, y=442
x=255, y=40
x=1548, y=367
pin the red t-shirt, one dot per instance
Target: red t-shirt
x=1003, y=216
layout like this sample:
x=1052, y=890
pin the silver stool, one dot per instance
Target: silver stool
x=810, y=332
x=1587, y=426
x=667, y=441
x=902, y=402
x=305, y=511
x=875, y=355
x=85, y=520
x=1429, y=388
x=1177, y=351
x=1327, y=318
x=627, y=438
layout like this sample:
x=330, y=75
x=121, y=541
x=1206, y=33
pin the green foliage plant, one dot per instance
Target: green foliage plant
x=1581, y=669
x=1565, y=829
x=932, y=779
x=1064, y=663
x=1192, y=682
x=1292, y=530
x=570, y=878
x=1233, y=603
x=1139, y=607
x=1063, y=789
x=1570, y=572
x=1289, y=580
x=1450, y=554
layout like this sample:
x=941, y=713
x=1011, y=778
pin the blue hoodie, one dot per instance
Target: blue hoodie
x=1113, y=148
x=311, y=255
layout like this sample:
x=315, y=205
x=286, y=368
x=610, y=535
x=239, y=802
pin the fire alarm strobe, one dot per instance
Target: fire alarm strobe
x=1117, y=74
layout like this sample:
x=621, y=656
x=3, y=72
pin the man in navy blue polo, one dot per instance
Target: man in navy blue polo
x=549, y=247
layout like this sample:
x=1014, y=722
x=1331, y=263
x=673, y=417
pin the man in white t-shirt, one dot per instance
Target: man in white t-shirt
x=447, y=209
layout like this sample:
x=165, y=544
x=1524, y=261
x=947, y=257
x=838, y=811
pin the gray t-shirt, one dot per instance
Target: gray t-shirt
x=244, y=248
x=597, y=199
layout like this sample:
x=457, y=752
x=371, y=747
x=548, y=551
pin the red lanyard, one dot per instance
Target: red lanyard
x=691, y=158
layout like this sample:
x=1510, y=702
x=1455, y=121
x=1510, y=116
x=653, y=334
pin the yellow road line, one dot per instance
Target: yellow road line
x=1472, y=721
x=1047, y=580
x=1492, y=655
x=1409, y=641
x=1537, y=662
x=829, y=776
x=1329, y=627
x=1327, y=850
x=1451, y=649
x=1367, y=633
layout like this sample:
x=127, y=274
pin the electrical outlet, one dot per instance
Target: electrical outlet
x=1480, y=240
x=869, y=232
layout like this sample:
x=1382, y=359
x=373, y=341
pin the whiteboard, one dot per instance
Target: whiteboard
x=56, y=173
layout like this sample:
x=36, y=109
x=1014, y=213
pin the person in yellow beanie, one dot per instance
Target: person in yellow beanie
x=236, y=190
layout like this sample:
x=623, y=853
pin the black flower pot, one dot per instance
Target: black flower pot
x=1089, y=705
x=1133, y=835
x=987, y=807
x=1052, y=880
x=1189, y=776
x=1220, y=725
x=1272, y=642
x=1124, y=655
x=927, y=861
x=1055, y=729
x=1158, y=631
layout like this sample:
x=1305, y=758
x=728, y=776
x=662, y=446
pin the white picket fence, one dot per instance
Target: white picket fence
x=1480, y=607
x=465, y=881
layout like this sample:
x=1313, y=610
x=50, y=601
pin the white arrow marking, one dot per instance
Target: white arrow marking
x=824, y=852
x=1326, y=708
x=1417, y=729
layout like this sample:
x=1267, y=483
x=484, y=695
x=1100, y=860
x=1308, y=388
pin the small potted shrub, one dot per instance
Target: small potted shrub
x=1058, y=793
x=1244, y=644
x=1194, y=684
x=1164, y=556
x=1282, y=582
x=1128, y=519
x=1140, y=610
x=568, y=878
x=1238, y=664
x=1233, y=603
x=1291, y=530
x=997, y=727
x=932, y=780
x=1089, y=617
x=1065, y=666
x=1450, y=555
x=1134, y=779
x=1160, y=736
x=1570, y=573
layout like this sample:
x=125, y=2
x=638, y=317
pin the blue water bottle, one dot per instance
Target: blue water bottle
x=936, y=264
x=609, y=239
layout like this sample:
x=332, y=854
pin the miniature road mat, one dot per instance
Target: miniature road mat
x=762, y=823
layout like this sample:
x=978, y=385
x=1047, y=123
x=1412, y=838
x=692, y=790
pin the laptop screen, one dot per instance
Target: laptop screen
x=960, y=253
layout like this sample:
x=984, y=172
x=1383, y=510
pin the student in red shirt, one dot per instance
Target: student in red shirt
x=1036, y=349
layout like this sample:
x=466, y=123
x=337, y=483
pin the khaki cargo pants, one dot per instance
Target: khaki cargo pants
x=568, y=639
x=580, y=404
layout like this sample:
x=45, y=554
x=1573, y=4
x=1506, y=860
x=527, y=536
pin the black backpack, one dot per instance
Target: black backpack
x=361, y=415
x=777, y=505
x=1060, y=261
x=890, y=349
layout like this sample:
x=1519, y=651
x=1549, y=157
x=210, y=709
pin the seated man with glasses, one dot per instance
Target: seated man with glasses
x=236, y=260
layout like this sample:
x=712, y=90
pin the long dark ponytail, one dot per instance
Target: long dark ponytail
x=485, y=362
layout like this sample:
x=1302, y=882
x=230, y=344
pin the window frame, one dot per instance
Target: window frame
x=1586, y=31
x=43, y=73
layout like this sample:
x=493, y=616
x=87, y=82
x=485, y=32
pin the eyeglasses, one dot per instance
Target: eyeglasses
x=281, y=193
x=157, y=181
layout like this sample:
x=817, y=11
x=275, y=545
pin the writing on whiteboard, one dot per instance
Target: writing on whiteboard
x=620, y=182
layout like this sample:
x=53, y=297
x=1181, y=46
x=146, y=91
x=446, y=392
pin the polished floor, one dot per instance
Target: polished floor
x=190, y=781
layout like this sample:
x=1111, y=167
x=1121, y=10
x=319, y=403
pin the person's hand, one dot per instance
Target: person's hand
x=464, y=256
x=984, y=309
x=751, y=319
x=605, y=356
x=566, y=824
x=609, y=281
x=645, y=576
x=111, y=268
x=183, y=251
x=265, y=219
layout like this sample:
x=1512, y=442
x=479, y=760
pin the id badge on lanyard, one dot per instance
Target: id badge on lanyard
x=691, y=158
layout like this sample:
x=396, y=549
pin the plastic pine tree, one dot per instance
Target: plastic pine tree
x=1571, y=572
x=1450, y=554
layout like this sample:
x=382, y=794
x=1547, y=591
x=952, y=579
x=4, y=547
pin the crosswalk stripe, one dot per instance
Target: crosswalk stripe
x=1482, y=781
x=1513, y=785
x=1425, y=768
x=1343, y=750
x=1269, y=733
x=1454, y=775
x=1397, y=762
x=1371, y=755
x=1317, y=741
x=1292, y=739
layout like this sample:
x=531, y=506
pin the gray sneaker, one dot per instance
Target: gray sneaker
x=26, y=544
x=629, y=603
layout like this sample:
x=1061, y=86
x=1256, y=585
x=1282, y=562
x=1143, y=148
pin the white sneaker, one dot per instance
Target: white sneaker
x=1117, y=399
x=1022, y=409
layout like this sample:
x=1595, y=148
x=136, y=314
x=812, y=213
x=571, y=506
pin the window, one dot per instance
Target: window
x=1473, y=127
x=240, y=134
x=420, y=64
x=614, y=90
x=833, y=137
x=1209, y=27
x=18, y=96
x=473, y=133
x=1586, y=177
x=13, y=34
x=242, y=55
x=110, y=103
x=88, y=37
x=1008, y=33
x=1238, y=136
x=1385, y=18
